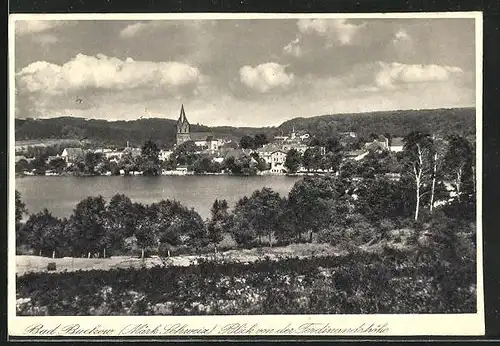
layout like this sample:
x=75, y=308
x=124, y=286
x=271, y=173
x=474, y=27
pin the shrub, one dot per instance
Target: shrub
x=391, y=281
x=51, y=266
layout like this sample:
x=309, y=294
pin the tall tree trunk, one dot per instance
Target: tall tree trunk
x=458, y=183
x=474, y=177
x=104, y=253
x=270, y=240
x=434, y=169
x=418, y=204
x=40, y=253
x=88, y=255
x=142, y=253
x=418, y=180
x=53, y=253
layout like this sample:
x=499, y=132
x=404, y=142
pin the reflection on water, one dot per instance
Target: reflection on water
x=61, y=194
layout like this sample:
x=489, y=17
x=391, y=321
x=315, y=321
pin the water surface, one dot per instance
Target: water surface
x=60, y=194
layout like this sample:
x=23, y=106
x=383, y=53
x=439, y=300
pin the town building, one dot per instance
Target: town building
x=348, y=134
x=70, y=155
x=183, y=128
x=164, y=155
x=267, y=150
x=380, y=143
x=397, y=144
x=206, y=141
x=278, y=159
x=134, y=152
x=20, y=158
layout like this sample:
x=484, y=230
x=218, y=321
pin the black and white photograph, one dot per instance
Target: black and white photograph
x=240, y=167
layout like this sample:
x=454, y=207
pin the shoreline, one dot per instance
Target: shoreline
x=18, y=175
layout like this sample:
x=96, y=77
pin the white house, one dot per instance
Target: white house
x=267, y=150
x=113, y=155
x=278, y=161
x=348, y=134
x=397, y=144
x=301, y=148
x=205, y=140
x=218, y=159
x=164, y=154
x=71, y=154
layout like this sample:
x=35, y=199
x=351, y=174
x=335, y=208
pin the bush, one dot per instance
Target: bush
x=51, y=266
x=391, y=281
x=227, y=242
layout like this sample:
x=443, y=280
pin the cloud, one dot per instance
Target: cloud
x=24, y=27
x=338, y=30
x=390, y=75
x=132, y=29
x=140, y=28
x=293, y=48
x=266, y=77
x=401, y=35
x=47, y=39
x=102, y=72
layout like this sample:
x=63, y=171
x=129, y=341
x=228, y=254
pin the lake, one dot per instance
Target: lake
x=61, y=194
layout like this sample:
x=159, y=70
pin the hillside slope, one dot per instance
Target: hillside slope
x=117, y=133
x=397, y=123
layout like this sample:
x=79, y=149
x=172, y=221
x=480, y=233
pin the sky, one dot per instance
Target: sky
x=241, y=72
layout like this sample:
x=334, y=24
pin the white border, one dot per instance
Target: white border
x=399, y=325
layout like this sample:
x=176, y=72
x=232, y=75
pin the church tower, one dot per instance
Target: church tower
x=182, y=128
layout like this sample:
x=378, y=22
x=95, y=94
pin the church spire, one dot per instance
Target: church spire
x=182, y=117
x=182, y=122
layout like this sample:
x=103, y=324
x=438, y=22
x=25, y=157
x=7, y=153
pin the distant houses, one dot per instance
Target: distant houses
x=278, y=159
x=205, y=141
x=379, y=143
x=216, y=148
x=70, y=155
x=397, y=144
x=165, y=154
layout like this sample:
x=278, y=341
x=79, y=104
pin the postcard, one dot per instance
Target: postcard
x=212, y=174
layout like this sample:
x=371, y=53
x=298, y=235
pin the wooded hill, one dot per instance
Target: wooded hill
x=162, y=131
x=397, y=123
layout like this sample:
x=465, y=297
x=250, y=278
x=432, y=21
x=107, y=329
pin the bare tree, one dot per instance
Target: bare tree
x=459, y=164
x=438, y=149
x=418, y=157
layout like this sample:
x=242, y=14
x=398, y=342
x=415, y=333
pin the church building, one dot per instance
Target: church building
x=183, y=128
x=203, y=140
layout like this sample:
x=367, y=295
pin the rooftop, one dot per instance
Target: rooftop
x=201, y=136
x=397, y=141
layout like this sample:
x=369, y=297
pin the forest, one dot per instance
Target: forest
x=162, y=131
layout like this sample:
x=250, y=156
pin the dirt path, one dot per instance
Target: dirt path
x=27, y=264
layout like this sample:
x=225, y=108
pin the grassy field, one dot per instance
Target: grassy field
x=26, y=264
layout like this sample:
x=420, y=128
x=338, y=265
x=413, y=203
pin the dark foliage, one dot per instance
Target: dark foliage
x=394, y=282
x=395, y=123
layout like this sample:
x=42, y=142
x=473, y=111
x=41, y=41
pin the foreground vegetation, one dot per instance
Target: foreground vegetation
x=392, y=281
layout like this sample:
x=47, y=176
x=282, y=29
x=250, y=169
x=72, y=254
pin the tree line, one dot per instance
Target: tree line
x=397, y=122
x=328, y=208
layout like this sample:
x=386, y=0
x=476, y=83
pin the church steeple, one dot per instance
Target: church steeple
x=182, y=123
x=182, y=117
x=183, y=128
